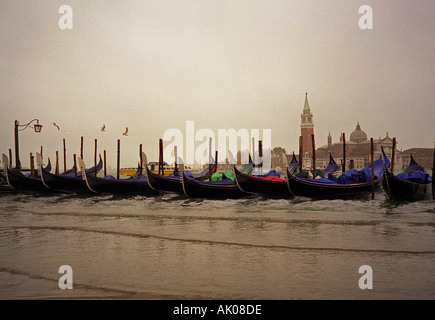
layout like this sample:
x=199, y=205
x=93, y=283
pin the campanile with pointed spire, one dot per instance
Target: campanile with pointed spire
x=307, y=127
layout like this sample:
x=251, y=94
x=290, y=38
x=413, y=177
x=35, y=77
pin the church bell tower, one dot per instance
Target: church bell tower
x=307, y=127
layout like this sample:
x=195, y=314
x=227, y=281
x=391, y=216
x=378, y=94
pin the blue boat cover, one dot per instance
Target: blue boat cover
x=415, y=173
x=417, y=176
x=175, y=174
x=271, y=173
x=364, y=175
x=331, y=168
x=413, y=167
x=320, y=180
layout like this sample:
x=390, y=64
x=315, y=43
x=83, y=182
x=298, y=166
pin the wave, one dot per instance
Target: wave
x=221, y=243
x=93, y=290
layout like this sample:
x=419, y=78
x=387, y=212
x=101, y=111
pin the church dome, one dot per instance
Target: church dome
x=358, y=135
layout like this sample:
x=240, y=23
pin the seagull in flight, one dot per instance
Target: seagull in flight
x=126, y=131
x=54, y=124
x=103, y=128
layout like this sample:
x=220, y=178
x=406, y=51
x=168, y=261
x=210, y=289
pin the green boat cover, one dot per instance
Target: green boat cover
x=304, y=174
x=221, y=175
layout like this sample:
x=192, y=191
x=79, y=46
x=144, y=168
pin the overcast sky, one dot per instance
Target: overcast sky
x=153, y=65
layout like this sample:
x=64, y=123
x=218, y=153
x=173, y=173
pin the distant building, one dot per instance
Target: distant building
x=357, y=150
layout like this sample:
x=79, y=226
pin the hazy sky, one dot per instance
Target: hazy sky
x=153, y=65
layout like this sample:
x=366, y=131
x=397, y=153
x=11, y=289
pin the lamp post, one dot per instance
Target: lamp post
x=37, y=128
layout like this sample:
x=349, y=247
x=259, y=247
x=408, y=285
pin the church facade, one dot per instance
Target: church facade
x=357, y=150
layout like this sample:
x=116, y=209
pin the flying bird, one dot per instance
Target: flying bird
x=54, y=124
x=126, y=131
x=103, y=128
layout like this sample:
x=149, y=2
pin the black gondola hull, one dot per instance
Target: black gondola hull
x=304, y=188
x=64, y=183
x=118, y=186
x=252, y=184
x=400, y=189
x=164, y=183
x=18, y=181
x=67, y=182
x=197, y=189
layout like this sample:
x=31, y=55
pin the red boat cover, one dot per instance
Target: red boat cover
x=272, y=178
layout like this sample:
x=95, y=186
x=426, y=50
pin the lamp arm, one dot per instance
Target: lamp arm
x=27, y=124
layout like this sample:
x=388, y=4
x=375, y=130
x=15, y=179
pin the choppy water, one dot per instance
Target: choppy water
x=170, y=247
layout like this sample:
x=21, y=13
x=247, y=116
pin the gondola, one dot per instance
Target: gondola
x=136, y=184
x=169, y=183
x=271, y=186
x=25, y=182
x=329, y=188
x=222, y=189
x=70, y=181
x=413, y=184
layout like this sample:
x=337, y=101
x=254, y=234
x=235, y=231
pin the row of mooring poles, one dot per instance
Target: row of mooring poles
x=75, y=157
x=32, y=158
x=118, y=157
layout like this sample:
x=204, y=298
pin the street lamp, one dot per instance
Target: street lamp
x=37, y=128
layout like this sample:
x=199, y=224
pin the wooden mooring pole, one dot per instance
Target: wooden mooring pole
x=210, y=159
x=254, y=160
x=301, y=151
x=56, y=171
x=393, y=155
x=216, y=161
x=344, y=153
x=118, y=159
x=372, y=155
x=81, y=148
x=64, y=156
x=161, y=170
x=105, y=165
x=175, y=159
x=260, y=156
x=75, y=165
x=32, y=165
x=10, y=159
x=314, y=156
x=95, y=157
x=433, y=173
x=140, y=159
